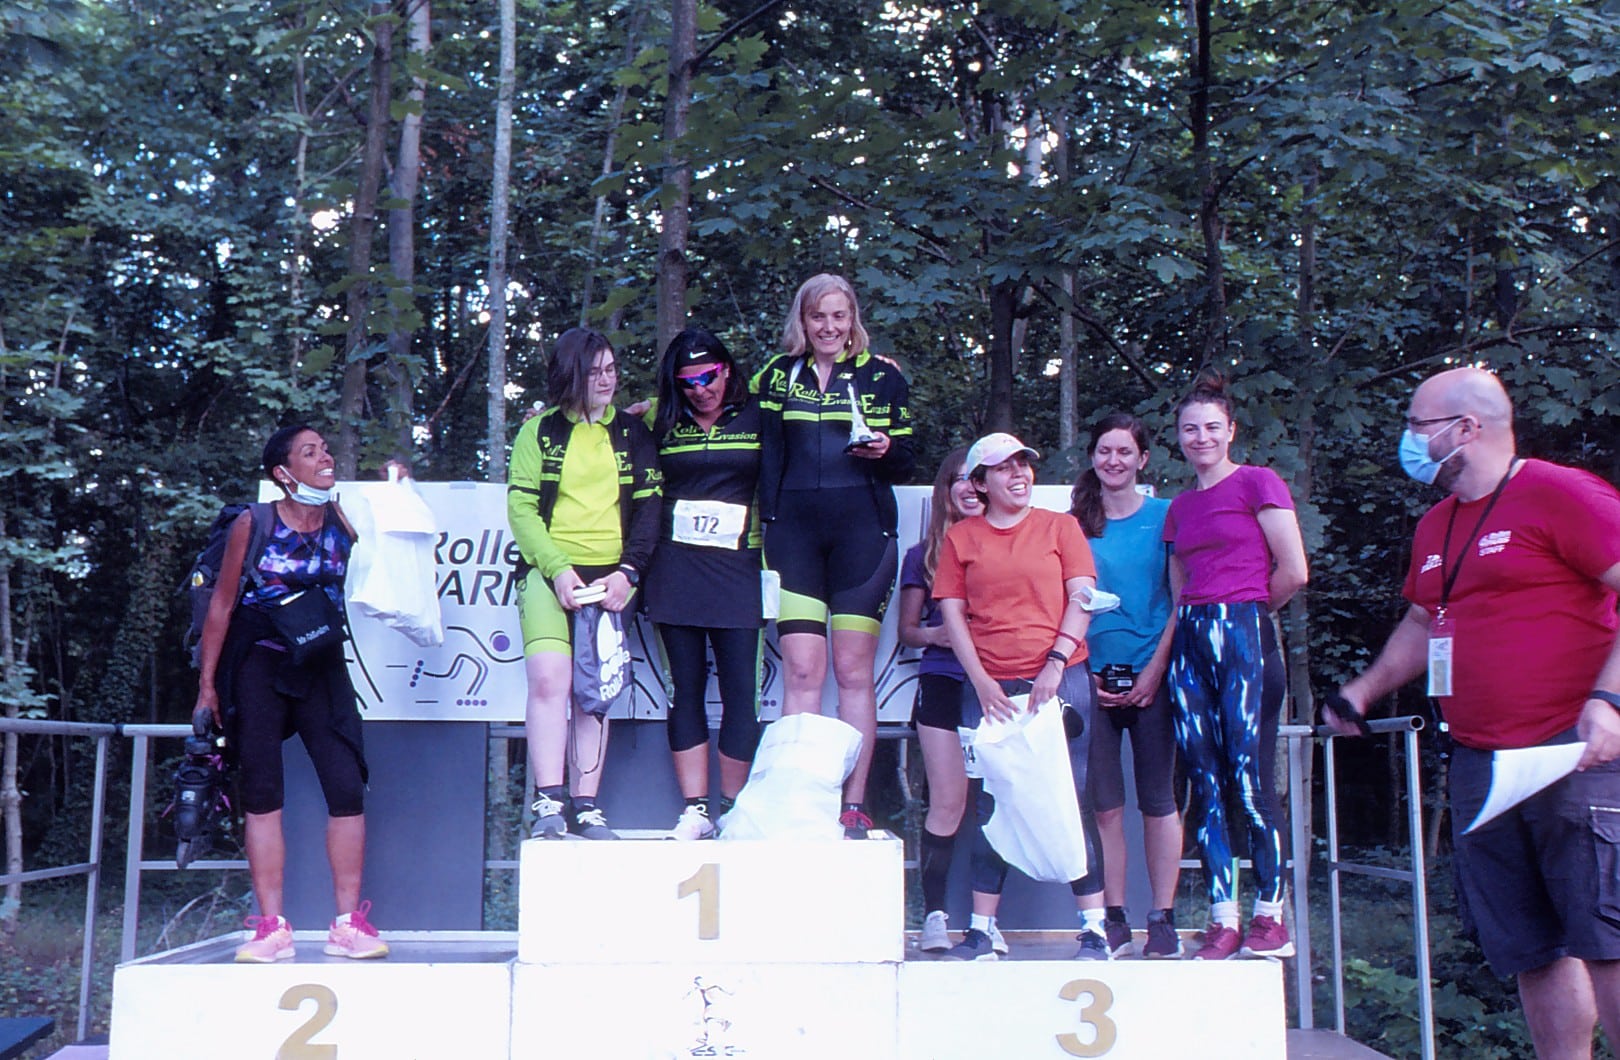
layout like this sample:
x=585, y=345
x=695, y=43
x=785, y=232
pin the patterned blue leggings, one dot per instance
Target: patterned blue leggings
x=1227, y=676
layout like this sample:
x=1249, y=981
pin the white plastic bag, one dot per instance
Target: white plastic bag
x=1036, y=822
x=392, y=576
x=795, y=787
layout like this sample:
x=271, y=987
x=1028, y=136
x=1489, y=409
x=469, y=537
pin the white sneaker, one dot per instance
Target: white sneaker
x=694, y=824
x=934, y=938
x=997, y=943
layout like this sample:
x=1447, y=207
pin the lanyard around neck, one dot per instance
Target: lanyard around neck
x=1447, y=581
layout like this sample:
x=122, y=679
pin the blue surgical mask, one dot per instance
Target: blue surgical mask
x=306, y=494
x=1415, y=459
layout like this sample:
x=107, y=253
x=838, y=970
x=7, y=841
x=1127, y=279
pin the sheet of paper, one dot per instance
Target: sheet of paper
x=1519, y=773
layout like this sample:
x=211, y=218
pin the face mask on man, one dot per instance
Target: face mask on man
x=306, y=494
x=1414, y=451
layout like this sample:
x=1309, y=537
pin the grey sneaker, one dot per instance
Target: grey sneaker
x=1093, y=947
x=1162, y=941
x=998, y=943
x=592, y=824
x=549, y=822
x=934, y=938
x=975, y=946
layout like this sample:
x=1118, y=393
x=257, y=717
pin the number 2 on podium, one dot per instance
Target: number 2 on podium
x=705, y=883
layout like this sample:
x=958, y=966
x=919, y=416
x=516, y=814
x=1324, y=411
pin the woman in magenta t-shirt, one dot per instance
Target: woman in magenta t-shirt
x=1238, y=558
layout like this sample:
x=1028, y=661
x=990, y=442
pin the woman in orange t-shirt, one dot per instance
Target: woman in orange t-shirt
x=1011, y=586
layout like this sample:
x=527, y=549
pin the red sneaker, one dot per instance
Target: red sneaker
x=1267, y=938
x=1220, y=942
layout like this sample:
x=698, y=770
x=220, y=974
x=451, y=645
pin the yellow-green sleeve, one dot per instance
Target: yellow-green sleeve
x=529, y=530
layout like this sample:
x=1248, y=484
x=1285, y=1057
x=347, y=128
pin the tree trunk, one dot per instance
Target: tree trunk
x=402, y=227
x=998, y=410
x=498, y=205
x=1209, y=217
x=677, y=193
x=300, y=220
x=593, y=253
x=10, y=793
x=1299, y=613
x=1068, y=343
x=362, y=231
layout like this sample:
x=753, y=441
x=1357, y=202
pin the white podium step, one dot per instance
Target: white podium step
x=438, y=994
x=661, y=901
x=657, y=949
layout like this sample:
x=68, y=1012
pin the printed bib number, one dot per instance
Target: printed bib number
x=970, y=755
x=710, y=524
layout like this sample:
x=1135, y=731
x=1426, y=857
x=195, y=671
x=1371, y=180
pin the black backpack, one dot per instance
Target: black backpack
x=199, y=583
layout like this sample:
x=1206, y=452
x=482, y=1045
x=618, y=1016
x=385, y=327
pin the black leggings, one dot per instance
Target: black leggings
x=270, y=709
x=736, y=664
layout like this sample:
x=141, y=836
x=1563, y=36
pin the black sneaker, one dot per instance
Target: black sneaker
x=591, y=823
x=1119, y=937
x=1163, y=943
x=975, y=946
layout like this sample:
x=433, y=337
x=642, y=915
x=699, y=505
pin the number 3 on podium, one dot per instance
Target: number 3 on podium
x=1094, y=1014
x=705, y=883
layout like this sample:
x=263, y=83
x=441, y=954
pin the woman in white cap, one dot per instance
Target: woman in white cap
x=1011, y=586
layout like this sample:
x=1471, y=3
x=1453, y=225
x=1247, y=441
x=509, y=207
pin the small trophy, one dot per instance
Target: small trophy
x=860, y=435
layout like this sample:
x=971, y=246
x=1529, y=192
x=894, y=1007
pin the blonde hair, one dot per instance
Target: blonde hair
x=810, y=294
x=942, y=513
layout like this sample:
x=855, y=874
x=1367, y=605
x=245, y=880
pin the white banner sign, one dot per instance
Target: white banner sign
x=477, y=673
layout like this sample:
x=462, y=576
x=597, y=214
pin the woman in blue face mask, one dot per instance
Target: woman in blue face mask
x=260, y=684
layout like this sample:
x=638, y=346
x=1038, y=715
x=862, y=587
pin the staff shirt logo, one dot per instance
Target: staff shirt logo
x=1431, y=561
x=1494, y=542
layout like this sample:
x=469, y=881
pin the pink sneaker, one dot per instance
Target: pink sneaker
x=1220, y=942
x=1267, y=938
x=352, y=935
x=272, y=941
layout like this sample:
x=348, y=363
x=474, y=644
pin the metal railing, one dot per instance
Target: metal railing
x=90, y=869
x=1301, y=740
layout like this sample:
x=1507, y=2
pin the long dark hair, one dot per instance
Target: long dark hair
x=568, y=376
x=1085, y=501
x=671, y=398
x=1210, y=388
x=941, y=510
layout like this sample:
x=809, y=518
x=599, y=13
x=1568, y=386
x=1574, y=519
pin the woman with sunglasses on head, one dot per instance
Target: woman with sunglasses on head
x=1238, y=558
x=1012, y=585
x=938, y=711
x=582, y=499
x=703, y=589
x=836, y=437
x=1130, y=650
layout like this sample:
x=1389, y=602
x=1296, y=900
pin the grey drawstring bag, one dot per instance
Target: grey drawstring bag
x=601, y=660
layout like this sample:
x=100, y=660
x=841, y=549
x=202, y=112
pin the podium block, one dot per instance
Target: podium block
x=659, y=901
x=450, y=996
x=1123, y=1010
x=664, y=1011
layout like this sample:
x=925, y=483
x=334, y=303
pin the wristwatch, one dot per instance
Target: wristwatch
x=630, y=575
x=1611, y=698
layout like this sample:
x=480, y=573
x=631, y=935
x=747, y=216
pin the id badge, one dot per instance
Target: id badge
x=710, y=524
x=1441, y=632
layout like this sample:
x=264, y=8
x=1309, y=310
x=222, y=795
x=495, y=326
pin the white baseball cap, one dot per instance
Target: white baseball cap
x=993, y=449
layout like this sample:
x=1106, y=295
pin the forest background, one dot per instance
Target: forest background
x=218, y=217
